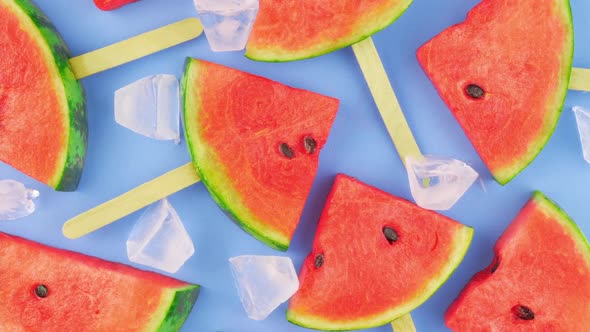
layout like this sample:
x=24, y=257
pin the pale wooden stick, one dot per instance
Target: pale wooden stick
x=580, y=79
x=403, y=324
x=391, y=112
x=136, y=47
x=394, y=119
x=131, y=201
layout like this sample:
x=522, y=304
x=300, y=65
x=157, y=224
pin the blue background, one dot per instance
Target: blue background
x=359, y=145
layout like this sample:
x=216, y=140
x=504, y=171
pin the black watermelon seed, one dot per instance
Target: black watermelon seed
x=390, y=234
x=319, y=261
x=475, y=91
x=41, y=291
x=495, y=265
x=310, y=144
x=523, y=312
x=286, y=150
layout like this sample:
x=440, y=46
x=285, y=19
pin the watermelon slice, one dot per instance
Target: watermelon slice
x=293, y=30
x=52, y=290
x=375, y=258
x=538, y=281
x=256, y=145
x=42, y=108
x=504, y=73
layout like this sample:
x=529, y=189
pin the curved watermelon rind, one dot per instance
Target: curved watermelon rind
x=548, y=206
x=180, y=308
x=269, y=55
x=198, y=152
x=462, y=242
x=67, y=178
x=504, y=176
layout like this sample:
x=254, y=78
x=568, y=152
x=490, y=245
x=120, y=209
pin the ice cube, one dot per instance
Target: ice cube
x=159, y=239
x=583, y=120
x=16, y=201
x=438, y=183
x=227, y=23
x=150, y=107
x=263, y=282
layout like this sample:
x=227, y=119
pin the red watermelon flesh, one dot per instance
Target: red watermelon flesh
x=112, y=4
x=292, y=30
x=538, y=281
x=247, y=137
x=355, y=277
x=84, y=293
x=519, y=53
x=43, y=129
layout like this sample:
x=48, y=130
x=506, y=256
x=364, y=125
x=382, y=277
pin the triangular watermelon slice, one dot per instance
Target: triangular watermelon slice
x=538, y=281
x=42, y=108
x=375, y=258
x=504, y=73
x=293, y=30
x=256, y=145
x=52, y=290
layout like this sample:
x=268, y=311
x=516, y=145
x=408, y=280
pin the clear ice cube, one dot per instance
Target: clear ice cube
x=263, y=283
x=159, y=239
x=583, y=120
x=16, y=200
x=227, y=23
x=438, y=183
x=150, y=107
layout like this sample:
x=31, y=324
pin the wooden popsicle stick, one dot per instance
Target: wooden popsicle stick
x=580, y=79
x=403, y=324
x=131, y=201
x=136, y=47
x=391, y=112
x=394, y=119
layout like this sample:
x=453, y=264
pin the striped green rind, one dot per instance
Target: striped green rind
x=179, y=309
x=271, y=53
x=460, y=245
x=209, y=170
x=507, y=174
x=68, y=176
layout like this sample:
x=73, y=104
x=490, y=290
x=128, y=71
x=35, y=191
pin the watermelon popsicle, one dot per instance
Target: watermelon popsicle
x=54, y=154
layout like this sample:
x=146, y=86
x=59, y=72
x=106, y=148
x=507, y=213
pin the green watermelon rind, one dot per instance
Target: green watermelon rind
x=505, y=175
x=462, y=242
x=68, y=177
x=195, y=144
x=372, y=27
x=176, y=306
x=549, y=207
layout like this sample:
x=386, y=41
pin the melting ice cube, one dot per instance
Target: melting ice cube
x=159, y=239
x=583, y=120
x=150, y=107
x=438, y=183
x=16, y=201
x=263, y=282
x=227, y=23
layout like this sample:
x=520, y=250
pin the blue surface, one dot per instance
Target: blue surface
x=118, y=159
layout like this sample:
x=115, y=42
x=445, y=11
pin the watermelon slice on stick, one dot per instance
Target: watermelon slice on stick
x=32, y=48
x=53, y=290
x=273, y=159
x=505, y=81
x=402, y=255
x=539, y=279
